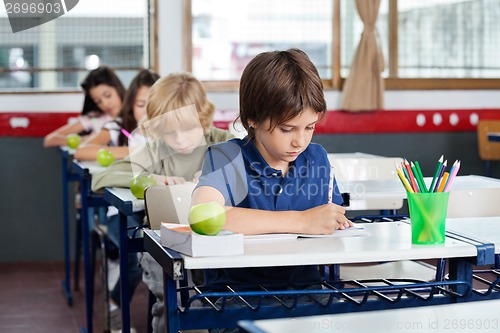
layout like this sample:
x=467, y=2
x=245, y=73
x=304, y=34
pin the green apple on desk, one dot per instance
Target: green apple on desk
x=105, y=157
x=207, y=218
x=139, y=183
x=73, y=140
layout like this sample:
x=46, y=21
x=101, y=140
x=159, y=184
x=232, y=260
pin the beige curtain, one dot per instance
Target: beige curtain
x=364, y=88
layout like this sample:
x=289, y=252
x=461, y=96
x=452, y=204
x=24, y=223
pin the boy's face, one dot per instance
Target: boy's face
x=286, y=141
x=184, y=140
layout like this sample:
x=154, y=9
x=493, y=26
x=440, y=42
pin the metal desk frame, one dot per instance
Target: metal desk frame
x=343, y=293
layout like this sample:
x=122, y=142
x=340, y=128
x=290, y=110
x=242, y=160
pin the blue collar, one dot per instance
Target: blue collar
x=262, y=168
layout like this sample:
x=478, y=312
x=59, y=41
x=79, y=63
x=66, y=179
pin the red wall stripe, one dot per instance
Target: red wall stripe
x=39, y=124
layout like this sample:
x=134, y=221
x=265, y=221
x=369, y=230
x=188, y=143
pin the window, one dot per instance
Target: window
x=226, y=34
x=58, y=54
x=427, y=44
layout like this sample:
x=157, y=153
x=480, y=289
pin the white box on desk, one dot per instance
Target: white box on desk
x=182, y=239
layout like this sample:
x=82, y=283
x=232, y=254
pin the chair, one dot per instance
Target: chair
x=488, y=150
x=168, y=203
x=357, y=175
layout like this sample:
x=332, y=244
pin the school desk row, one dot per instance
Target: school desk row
x=460, y=253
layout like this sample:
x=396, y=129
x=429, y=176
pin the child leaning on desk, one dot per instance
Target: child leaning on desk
x=179, y=108
x=274, y=180
x=104, y=94
x=113, y=134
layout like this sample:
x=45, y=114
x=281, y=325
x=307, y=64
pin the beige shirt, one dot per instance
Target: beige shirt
x=157, y=159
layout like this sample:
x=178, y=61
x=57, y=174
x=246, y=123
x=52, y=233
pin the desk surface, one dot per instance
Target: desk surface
x=92, y=166
x=481, y=316
x=387, y=242
x=485, y=229
x=120, y=197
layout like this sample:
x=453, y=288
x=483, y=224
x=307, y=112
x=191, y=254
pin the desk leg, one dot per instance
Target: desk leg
x=67, y=266
x=460, y=270
x=170, y=301
x=89, y=282
x=124, y=283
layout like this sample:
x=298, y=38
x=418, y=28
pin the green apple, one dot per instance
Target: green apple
x=105, y=157
x=73, y=140
x=139, y=183
x=207, y=218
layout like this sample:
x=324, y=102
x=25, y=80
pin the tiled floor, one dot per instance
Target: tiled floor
x=32, y=301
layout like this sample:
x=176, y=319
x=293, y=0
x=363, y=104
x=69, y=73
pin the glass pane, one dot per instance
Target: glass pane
x=228, y=33
x=449, y=38
x=351, y=28
x=111, y=32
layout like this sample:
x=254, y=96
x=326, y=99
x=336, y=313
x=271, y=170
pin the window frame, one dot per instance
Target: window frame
x=392, y=82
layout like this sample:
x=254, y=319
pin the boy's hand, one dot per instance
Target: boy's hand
x=325, y=219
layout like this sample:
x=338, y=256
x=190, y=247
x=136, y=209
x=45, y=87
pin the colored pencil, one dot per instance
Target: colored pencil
x=420, y=174
x=411, y=176
x=437, y=172
x=405, y=182
x=452, y=176
x=330, y=184
x=126, y=133
x=443, y=167
x=419, y=178
x=442, y=183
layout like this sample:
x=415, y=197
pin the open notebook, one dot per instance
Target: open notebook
x=353, y=231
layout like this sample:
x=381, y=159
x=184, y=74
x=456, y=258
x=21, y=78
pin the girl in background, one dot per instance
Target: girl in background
x=114, y=134
x=104, y=93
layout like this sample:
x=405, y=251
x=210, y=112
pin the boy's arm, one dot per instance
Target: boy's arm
x=323, y=219
x=118, y=174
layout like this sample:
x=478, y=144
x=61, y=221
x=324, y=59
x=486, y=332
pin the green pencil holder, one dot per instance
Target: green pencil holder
x=428, y=217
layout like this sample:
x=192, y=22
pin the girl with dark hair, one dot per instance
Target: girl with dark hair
x=113, y=134
x=104, y=94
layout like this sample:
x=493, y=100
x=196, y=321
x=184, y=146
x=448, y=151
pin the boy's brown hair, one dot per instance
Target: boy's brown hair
x=278, y=86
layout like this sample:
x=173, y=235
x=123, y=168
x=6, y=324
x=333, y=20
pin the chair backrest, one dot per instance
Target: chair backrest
x=358, y=173
x=168, y=203
x=488, y=151
x=474, y=203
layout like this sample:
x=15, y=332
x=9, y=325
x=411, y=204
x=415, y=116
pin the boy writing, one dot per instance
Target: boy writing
x=274, y=180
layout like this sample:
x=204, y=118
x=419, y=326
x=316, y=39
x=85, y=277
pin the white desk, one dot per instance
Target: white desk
x=486, y=229
x=123, y=195
x=387, y=242
x=464, y=317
